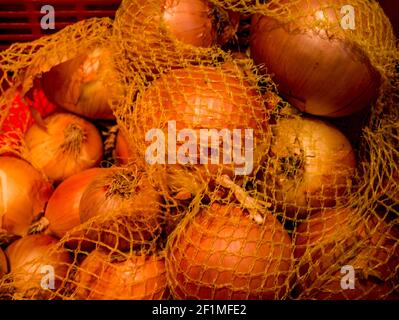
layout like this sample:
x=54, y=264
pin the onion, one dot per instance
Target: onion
x=3, y=264
x=68, y=146
x=157, y=36
x=189, y=21
x=62, y=211
x=82, y=84
x=23, y=195
x=99, y=277
x=310, y=166
x=31, y=259
x=125, y=207
x=315, y=62
x=333, y=238
x=221, y=254
x=194, y=22
x=202, y=98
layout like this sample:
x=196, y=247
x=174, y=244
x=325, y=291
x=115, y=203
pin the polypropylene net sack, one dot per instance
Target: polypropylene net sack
x=227, y=190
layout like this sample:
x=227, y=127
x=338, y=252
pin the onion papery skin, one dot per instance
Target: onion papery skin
x=125, y=151
x=24, y=193
x=82, y=85
x=70, y=145
x=198, y=98
x=316, y=65
x=340, y=237
x=135, y=278
x=188, y=21
x=121, y=209
x=310, y=167
x=62, y=210
x=221, y=254
x=29, y=257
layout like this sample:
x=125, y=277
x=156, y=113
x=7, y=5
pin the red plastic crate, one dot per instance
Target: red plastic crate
x=20, y=19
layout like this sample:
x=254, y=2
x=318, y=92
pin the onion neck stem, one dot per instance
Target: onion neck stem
x=221, y=20
x=291, y=165
x=122, y=184
x=254, y=208
x=39, y=226
x=74, y=137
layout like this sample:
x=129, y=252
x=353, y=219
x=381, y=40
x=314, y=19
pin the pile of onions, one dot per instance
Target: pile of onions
x=23, y=194
x=82, y=85
x=315, y=62
x=33, y=257
x=310, y=166
x=100, y=277
x=3, y=264
x=68, y=145
x=121, y=208
x=62, y=211
x=193, y=22
x=198, y=98
x=221, y=254
x=333, y=238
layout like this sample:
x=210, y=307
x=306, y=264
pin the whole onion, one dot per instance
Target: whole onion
x=62, y=211
x=82, y=84
x=23, y=194
x=100, y=277
x=68, y=145
x=333, y=238
x=121, y=208
x=33, y=257
x=3, y=264
x=311, y=165
x=189, y=21
x=198, y=98
x=318, y=65
x=221, y=254
x=194, y=22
